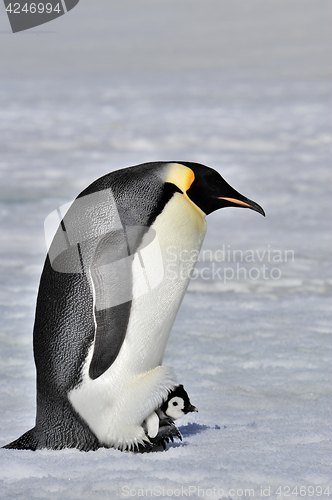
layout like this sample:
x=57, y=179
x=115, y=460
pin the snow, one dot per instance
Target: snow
x=252, y=341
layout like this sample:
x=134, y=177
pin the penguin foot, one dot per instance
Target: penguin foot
x=167, y=432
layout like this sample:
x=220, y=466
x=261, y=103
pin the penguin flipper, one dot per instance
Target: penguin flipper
x=111, y=327
x=111, y=277
x=152, y=425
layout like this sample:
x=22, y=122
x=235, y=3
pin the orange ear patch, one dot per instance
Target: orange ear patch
x=180, y=175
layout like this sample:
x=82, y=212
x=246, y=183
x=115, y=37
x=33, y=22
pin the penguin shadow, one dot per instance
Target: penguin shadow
x=191, y=429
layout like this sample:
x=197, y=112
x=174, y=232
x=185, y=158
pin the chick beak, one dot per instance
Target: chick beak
x=191, y=408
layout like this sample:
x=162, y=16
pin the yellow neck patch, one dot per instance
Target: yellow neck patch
x=180, y=175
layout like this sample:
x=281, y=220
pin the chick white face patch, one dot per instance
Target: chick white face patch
x=175, y=408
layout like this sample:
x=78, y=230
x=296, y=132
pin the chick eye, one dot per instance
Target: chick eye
x=175, y=403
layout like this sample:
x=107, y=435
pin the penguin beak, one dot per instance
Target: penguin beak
x=242, y=201
x=191, y=408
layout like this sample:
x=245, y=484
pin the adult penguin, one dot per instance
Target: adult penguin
x=108, y=299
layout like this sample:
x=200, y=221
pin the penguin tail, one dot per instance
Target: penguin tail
x=26, y=442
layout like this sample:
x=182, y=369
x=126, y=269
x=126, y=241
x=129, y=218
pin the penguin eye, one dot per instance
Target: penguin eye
x=175, y=403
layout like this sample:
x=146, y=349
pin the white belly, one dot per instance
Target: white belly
x=115, y=404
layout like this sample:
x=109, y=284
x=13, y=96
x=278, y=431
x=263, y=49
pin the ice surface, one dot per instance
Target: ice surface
x=252, y=342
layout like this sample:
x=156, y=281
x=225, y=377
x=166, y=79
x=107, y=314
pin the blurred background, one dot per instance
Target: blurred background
x=246, y=88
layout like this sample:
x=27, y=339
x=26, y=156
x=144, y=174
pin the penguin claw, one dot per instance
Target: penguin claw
x=166, y=434
x=178, y=434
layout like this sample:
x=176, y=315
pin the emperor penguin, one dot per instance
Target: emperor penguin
x=111, y=287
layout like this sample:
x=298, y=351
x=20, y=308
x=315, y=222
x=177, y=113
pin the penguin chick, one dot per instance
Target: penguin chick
x=175, y=406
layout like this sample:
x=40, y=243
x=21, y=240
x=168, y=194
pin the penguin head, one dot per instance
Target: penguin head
x=178, y=403
x=207, y=189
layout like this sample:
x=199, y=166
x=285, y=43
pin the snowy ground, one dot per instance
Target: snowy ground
x=252, y=342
